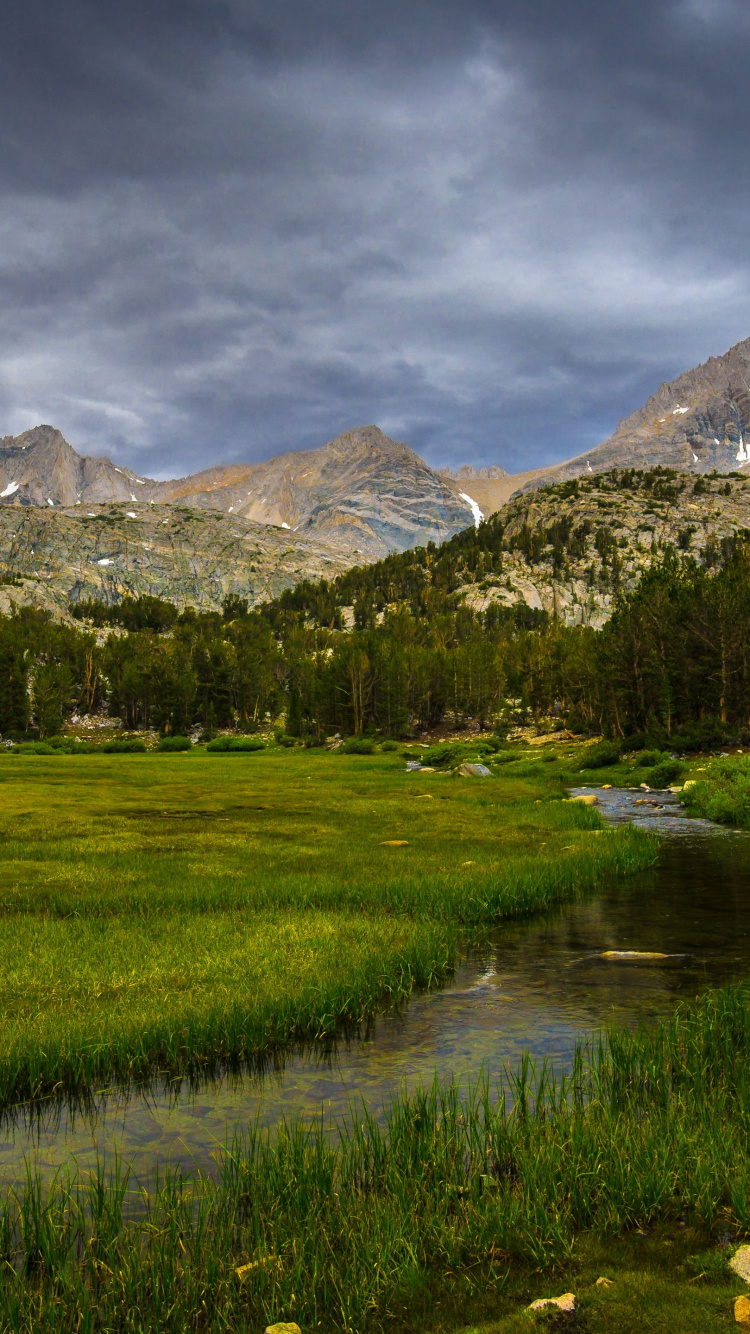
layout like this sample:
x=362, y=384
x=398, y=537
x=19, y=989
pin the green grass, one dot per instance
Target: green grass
x=160, y=911
x=455, y=1211
x=722, y=793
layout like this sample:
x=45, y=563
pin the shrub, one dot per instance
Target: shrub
x=665, y=773
x=235, y=745
x=173, y=743
x=34, y=748
x=389, y=745
x=724, y=794
x=358, y=745
x=601, y=756
x=509, y=756
x=282, y=739
x=648, y=758
x=128, y=746
x=438, y=757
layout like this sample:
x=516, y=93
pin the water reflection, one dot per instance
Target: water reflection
x=534, y=986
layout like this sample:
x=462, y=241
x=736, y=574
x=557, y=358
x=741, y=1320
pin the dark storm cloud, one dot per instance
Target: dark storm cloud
x=233, y=228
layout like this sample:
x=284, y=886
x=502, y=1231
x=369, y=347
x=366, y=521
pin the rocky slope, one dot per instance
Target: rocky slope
x=569, y=547
x=363, y=490
x=698, y=423
x=190, y=557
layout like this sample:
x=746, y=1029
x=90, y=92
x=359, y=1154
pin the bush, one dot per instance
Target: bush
x=601, y=756
x=173, y=743
x=665, y=773
x=440, y=756
x=389, y=745
x=129, y=746
x=358, y=745
x=724, y=793
x=648, y=758
x=34, y=748
x=235, y=745
x=282, y=739
x=509, y=756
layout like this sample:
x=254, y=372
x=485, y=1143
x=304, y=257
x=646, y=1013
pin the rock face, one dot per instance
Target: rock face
x=190, y=557
x=616, y=529
x=361, y=491
x=699, y=423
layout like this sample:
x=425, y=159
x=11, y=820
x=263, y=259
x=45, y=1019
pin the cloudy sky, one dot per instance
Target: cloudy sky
x=234, y=227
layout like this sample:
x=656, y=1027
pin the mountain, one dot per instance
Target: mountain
x=698, y=423
x=189, y=557
x=569, y=548
x=566, y=550
x=364, y=490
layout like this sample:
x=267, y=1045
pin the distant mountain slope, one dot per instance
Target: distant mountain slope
x=699, y=423
x=565, y=550
x=189, y=557
x=362, y=489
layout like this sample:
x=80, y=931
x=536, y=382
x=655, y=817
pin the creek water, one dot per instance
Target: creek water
x=534, y=986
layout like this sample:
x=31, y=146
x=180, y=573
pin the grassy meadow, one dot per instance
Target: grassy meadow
x=161, y=911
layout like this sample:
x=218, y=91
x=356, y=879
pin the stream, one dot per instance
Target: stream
x=534, y=986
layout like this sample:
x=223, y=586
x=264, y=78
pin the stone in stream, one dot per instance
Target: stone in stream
x=740, y=1263
x=742, y=1312
x=637, y=954
x=565, y=1303
x=470, y=770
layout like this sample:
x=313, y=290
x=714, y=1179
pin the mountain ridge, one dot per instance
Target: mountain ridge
x=362, y=487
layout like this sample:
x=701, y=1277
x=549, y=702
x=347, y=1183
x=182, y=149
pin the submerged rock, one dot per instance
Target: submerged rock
x=635, y=954
x=473, y=771
x=565, y=1303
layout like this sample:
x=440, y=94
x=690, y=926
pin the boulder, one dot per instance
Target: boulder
x=565, y=1303
x=287, y=1327
x=740, y=1263
x=469, y=770
x=603, y=1282
x=742, y=1312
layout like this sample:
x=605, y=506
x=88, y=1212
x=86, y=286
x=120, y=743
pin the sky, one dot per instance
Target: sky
x=231, y=228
